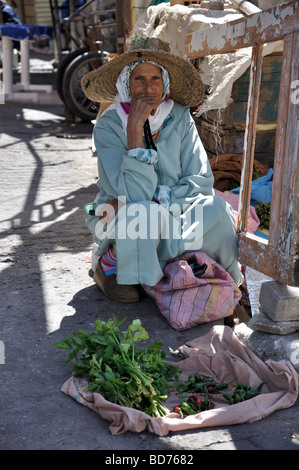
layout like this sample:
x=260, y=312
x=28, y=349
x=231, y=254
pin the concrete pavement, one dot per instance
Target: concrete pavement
x=48, y=173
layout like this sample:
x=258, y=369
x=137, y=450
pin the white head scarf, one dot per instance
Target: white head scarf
x=123, y=97
x=123, y=81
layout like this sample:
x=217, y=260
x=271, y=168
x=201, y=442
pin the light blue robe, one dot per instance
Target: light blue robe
x=184, y=167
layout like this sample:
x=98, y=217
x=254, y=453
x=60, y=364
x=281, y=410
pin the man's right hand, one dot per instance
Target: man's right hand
x=109, y=211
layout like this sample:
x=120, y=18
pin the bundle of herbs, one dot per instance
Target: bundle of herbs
x=114, y=367
x=263, y=211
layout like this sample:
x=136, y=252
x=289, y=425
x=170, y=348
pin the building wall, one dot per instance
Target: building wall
x=39, y=11
x=43, y=12
x=25, y=10
x=29, y=11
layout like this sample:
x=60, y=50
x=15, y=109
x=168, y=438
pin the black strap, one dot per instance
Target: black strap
x=150, y=144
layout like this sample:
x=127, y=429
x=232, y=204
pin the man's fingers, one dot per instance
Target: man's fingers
x=107, y=214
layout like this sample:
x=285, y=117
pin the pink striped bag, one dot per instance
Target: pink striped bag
x=195, y=289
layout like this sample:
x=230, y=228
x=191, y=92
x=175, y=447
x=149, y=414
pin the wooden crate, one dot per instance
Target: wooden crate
x=269, y=92
x=228, y=136
x=221, y=141
x=234, y=115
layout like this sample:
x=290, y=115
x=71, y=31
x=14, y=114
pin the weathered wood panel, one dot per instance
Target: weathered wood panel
x=285, y=201
x=255, y=252
x=278, y=257
x=249, y=138
x=266, y=26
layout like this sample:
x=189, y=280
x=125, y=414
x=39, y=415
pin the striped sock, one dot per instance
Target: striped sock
x=108, y=263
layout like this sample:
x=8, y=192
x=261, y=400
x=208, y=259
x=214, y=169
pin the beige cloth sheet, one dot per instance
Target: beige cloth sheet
x=217, y=353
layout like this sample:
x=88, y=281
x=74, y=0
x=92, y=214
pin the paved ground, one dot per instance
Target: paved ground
x=47, y=293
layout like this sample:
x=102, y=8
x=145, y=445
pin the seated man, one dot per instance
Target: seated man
x=151, y=163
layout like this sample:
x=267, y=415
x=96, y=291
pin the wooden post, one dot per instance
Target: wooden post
x=284, y=222
x=249, y=138
x=72, y=10
x=127, y=18
x=57, y=32
x=124, y=23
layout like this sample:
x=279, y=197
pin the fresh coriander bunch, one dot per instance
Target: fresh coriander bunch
x=123, y=374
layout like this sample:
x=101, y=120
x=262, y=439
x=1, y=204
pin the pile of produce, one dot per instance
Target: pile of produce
x=140, y=378
x=208, y=386
x=123, y=374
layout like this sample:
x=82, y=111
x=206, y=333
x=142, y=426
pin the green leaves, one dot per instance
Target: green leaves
x=243, y=392
x=263, y=211
x=123, y=374
x=136, y=332
x=65, y=344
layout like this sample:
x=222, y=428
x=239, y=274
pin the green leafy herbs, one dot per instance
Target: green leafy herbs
x=209, y=386
x=243, y=392
x=263, y=211
x=200, y=384
x=140, y=378
x=233, y=184
x=123, y=374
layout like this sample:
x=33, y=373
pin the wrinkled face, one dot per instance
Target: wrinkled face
x=146, y=79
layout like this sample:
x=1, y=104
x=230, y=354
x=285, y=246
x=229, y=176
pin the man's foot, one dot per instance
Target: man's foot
x=112, y=290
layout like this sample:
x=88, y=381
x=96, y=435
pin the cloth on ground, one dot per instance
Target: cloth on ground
x=233, y=200
x=229, y=166
x=261, y=188
x=187, y=299
x=217, y=353
x=172, y=23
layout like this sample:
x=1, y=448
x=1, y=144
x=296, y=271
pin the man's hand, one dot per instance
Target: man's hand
x=109, y=211
x=141, y=108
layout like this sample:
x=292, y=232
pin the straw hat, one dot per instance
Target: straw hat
x=186, y=86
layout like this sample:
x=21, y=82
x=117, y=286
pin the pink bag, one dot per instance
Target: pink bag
x=195, y=289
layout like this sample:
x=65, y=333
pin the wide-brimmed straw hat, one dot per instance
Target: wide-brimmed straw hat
x=186, y=85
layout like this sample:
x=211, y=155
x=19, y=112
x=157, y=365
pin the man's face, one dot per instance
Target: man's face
x=146, y=80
